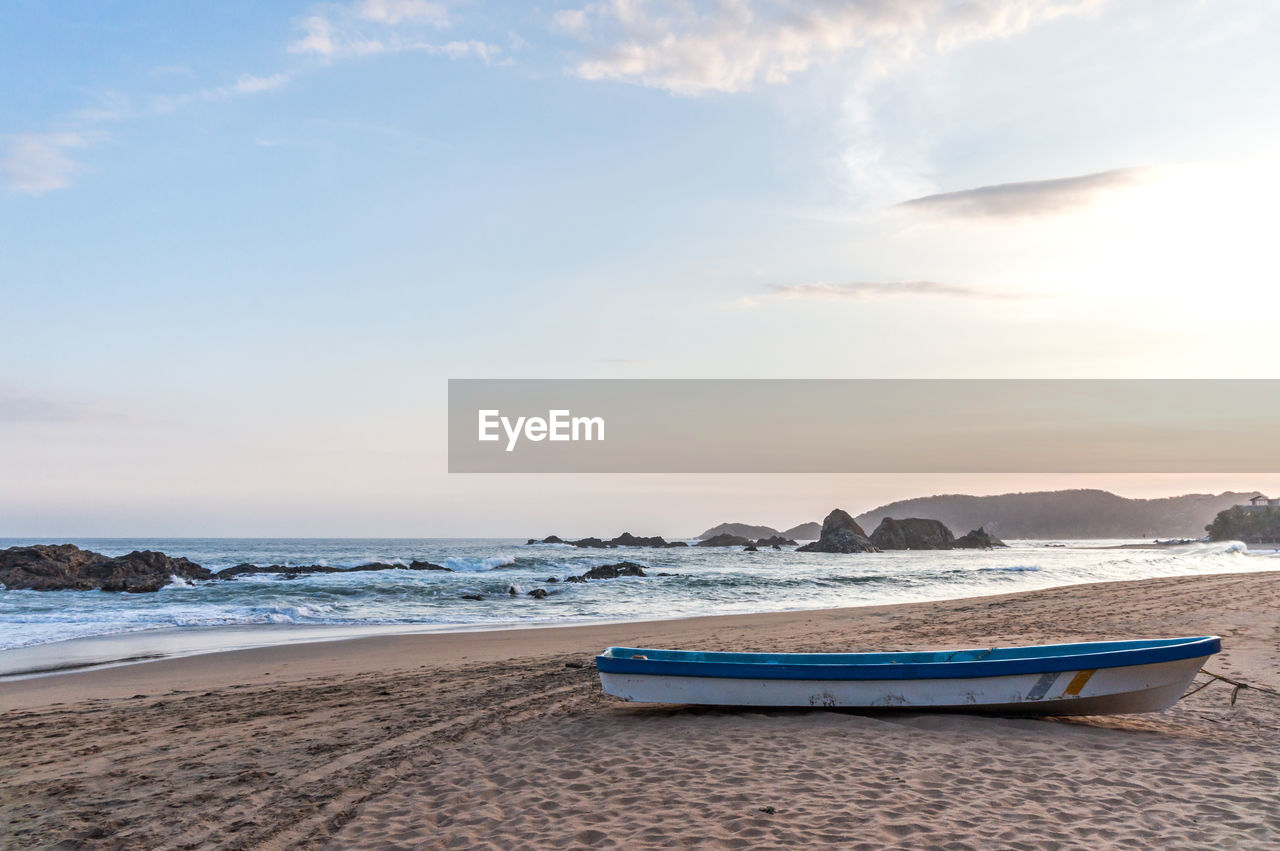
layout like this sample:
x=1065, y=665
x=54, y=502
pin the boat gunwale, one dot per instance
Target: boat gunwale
x=1091, y=655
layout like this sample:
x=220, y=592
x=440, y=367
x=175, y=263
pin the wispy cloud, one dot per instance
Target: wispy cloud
x=1029, y=198
x=670, y=44
x=245, y=84
x=17, y=408
x=875, y=291
x=372, y=27
x=36, y=163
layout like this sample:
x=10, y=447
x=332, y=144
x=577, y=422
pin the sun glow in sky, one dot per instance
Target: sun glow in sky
x=242, y=247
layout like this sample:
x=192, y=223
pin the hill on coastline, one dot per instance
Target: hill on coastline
x=803, y=532
x=742, y=530
x=1065, y=514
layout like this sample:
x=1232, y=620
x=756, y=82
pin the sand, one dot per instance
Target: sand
x=489, y=740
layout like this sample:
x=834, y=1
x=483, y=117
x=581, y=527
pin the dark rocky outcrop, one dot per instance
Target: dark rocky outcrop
x=473, y=596
x=538, y=593
x=613, y=571
x=978, y=539
x=250, y=569
x=751, y=548
x=725, y=541
x=609, y=571
x=913, y=533
x=775, y=541
x=626, y=539
x=66, y=567
x=840, y=534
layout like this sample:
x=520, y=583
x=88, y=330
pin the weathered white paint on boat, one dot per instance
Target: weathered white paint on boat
x=1080, y=690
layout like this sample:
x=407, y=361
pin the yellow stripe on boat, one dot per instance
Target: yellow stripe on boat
x=1078, y=681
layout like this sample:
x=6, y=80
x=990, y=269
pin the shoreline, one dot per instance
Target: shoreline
x=53, y=658
x=388, y=637
x=503, y=738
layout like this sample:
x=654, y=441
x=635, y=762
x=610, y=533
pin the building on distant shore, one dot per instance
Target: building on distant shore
x=1261, y=503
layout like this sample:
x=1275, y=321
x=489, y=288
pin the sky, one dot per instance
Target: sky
x=244, y=246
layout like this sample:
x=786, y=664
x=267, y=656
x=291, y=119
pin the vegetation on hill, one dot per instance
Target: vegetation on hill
x=1065, y=514
x=741, y=530
x=1244, y=524
x=804, y=532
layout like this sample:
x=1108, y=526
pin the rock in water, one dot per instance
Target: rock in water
x=725, y=541
x=978, y=539
x=840, y=534
x=65, y=567
x=593, y=543
x=302, y=570
x=426, y=565
x=914, y=533
x=610, y=571
x=538, y=593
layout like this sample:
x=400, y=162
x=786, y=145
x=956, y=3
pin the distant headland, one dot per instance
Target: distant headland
x=1067, y=514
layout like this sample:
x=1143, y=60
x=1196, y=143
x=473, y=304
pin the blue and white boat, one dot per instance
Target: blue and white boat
x=1095, y=678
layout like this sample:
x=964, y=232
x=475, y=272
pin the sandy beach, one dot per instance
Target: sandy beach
x=504, y=739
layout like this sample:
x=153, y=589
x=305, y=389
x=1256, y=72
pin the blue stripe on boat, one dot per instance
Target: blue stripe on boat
x=993, y=662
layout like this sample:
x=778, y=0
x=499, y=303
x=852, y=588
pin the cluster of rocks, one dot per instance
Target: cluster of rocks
x=604, y=571
x=66, y=567
x=626, y=539
x=291, y=571
x=727, y=540
x=978, y=539
x=842, y=534
x=913, y=533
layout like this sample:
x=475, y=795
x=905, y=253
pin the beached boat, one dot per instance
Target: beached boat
x=1102, y=677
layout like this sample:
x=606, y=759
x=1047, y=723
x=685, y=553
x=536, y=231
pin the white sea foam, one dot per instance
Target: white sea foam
x=467, y=564
x=708, y=581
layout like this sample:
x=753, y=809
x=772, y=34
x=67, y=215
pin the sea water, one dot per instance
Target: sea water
x=705, y=581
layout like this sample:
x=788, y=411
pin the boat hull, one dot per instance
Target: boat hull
x=1117, y=689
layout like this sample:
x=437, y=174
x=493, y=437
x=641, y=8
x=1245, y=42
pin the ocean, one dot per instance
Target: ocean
x=271, y=608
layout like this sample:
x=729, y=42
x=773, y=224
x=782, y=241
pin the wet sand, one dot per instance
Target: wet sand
x=490, y=739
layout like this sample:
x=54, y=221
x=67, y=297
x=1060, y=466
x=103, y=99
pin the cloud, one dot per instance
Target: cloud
x=875, y=291
x=36, y=163
x=18, y=408
x=245, y=84
x=1029, y=198
x=397, y=11
x=669, y=44
x=372, y=27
